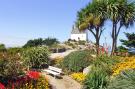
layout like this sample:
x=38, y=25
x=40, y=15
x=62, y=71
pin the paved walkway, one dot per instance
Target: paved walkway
x=65, y=83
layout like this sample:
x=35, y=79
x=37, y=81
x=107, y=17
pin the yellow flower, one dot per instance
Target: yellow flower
x=128, y=63
x=80, y=77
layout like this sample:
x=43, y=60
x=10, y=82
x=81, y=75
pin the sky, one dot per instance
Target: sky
x=22, y=20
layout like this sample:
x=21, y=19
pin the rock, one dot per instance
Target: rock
x=87, y=69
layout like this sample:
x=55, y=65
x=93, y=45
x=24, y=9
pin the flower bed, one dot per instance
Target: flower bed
x=32, y=80
x=129, y=63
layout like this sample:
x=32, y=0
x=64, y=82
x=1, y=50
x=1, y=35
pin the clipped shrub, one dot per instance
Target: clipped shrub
x=125, y=80
x=77, y=61
x=96, y=79
x=36, y=56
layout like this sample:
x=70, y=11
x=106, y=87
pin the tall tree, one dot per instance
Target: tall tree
x=121, y=13
x=92, y=18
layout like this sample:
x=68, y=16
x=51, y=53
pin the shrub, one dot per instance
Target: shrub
x=106, y=63
x=126, y=80
x=77, y=61
x=82, y=42
x=15, y=50
x=2, y=48
x=80, y=77
x=10, y=67
x=96, y=79
x=99, y=76
x=36, y=56
x=57, y=61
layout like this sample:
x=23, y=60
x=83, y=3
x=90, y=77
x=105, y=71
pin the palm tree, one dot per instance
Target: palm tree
x=92, y=18
x=121, y=13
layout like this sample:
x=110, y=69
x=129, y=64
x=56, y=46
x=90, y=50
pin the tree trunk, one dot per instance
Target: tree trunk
x=114, y=45
x=115, y=33
x=97, y=46
x=97, y=40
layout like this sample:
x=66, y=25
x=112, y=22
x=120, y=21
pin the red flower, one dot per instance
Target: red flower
x=33, y=74
x=13, y=87
x=2, y=86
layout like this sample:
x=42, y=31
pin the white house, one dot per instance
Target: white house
x=78, y=35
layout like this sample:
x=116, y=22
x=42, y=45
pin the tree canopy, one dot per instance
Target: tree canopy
x=40, y=42
x=130, y=42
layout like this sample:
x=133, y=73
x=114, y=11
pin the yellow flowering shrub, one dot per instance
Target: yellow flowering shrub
x=80, y=77
x=58, y=59
x=41, y=83
x=128, y=63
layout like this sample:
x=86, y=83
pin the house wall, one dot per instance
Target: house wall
x=77, y=37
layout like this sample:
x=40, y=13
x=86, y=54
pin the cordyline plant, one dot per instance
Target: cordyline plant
x=92, y=18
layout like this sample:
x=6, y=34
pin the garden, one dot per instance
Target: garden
x=21, y=68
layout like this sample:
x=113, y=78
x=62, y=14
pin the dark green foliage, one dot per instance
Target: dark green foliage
x=96, y=79
x=36, y=56
x=82, y=42
x=125, y=80
x=40, y=42
x=130, y=42
x=15, y=50
x=2, y=48
x=35, y=42
x=122, y=49
x=50, y=41
x=77, y=61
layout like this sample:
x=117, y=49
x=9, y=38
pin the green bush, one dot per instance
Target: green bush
x=77, y=61
x=10, y=66
x=96, y=79
x=106, y=63
x=99, y=76
x=36, y=56
x=125, y=80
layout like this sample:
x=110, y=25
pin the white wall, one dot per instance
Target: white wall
x=83, y=37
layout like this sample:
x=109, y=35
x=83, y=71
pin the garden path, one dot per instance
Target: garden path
x=65, y=83
x=63, y=54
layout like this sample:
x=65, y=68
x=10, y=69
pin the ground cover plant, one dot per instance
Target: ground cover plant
x=125, y=80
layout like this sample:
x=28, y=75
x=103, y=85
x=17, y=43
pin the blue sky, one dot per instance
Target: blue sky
x=21, y=20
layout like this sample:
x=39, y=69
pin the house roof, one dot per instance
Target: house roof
x=75, y=30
